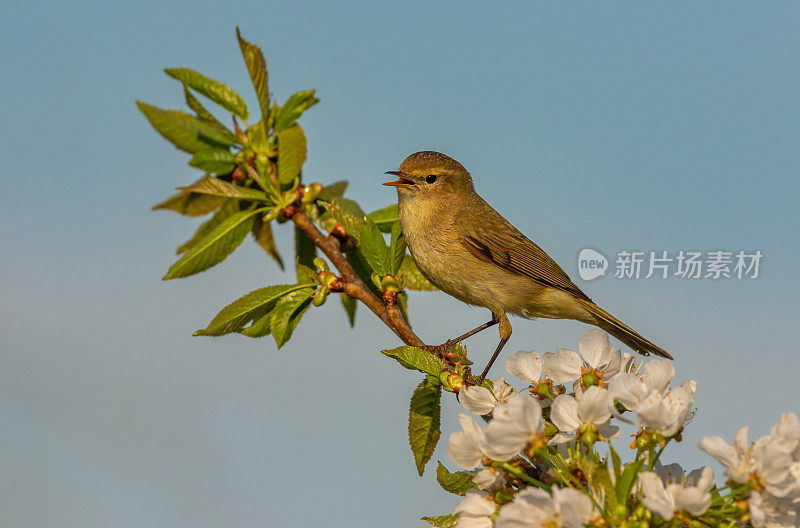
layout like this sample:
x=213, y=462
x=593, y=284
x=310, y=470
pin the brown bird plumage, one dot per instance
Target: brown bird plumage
x=468, y=250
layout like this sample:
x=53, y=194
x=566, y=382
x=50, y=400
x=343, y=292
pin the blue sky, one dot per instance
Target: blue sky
x=614, y=126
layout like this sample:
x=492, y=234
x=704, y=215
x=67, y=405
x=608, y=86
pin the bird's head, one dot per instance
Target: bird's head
x=429, y=175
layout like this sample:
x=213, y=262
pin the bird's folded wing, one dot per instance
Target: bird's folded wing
x=516, y=253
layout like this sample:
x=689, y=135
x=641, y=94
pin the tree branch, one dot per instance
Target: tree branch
x=354, y=286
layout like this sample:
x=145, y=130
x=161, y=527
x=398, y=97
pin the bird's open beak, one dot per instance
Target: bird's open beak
x=404, y=180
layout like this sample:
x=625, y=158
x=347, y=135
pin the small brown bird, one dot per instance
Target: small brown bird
x=468, y=250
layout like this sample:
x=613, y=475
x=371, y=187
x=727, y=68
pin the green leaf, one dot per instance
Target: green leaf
x=305, y=252
x=615, y=460
x=350, y=223
x=373, y=246
x=287, y=314
x=257, y=67
x=293, y=108
x=362, y=269
x=351, y=207
x=190, y=204
x=247, y=308
x=262, y=233
x=291, y=154
x=458, y=482
x=184, y=131
x=350, y=306
x=215, y=247
x=218, y=92
x=423, y=421
x=442, y=521
x=385, y=217
x=307, y=275
x=215, y=161
x=397, y=250
x=414, y=358
x=411, y=278
x=259, y=328
x=334, y=190
x=227, y=209
x=207, y=117
x=216, y=187
x=627, y=479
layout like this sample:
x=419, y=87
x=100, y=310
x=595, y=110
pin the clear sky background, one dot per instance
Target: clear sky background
x=613, y=126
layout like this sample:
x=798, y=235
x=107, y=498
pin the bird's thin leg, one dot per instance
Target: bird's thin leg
x=484, y=326
x=505, y=334
x=500, y=346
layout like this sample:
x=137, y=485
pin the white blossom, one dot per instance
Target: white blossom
x=692, y=496
x=533, y=508
x=765, y=459
x=657, y=407
x=488, y=478
x=481, y=400
x=767, y=511
x=465, y=447
x=513, y=425
x=571, y=414
x=526, y=366
x=475, y=510
x=595, y=353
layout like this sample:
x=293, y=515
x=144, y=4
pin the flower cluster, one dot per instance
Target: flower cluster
x=546, y=456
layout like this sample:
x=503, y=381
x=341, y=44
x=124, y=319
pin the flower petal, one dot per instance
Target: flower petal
x=479, y=400
x=786, y=431
x=487, y=478
x=526, y=366
x=741, y=440
x=526, y=413
x=595, y=405
x=562, y=366
x=475, y=503
x=530, y=507
x=701, y=478
x=511, y=427
x=502, y=390
x=657, y=374
x=722, y=451
x=656, y=497
x=464, y=448
x=576, y=509
x=564, y=413
x=595, y=348
x=628, y=389
x=693, y=500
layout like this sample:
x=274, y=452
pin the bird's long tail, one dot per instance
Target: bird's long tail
x=623, y=332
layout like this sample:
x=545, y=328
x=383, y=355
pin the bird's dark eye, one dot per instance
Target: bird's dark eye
x=430, y=178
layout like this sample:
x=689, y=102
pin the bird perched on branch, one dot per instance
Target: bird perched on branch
x=468, y=250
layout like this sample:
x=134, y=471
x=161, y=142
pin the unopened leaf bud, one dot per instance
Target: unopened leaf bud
x=310, y=192
x=549, y=430
x=451, y=381
x=589, y=436
x=502, y=497
x=320, y=264
x=376, y=280
x=320, y=296
x=327, y=279
x=390, y=283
